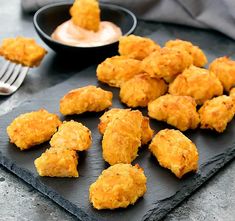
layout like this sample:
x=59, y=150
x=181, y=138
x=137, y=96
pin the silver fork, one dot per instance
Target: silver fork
x=11, y=77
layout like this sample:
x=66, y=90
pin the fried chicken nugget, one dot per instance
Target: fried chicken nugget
x=32, y=128
x=232, y=93
x=22, y=50
x=72, y=135
x=175, y=152
x=85, y=99
x=86, y=14
x=118, y=187
x=199, y=58
x=108, y=116
x=122, y=138
x=141, y=89
x=57, y=162
x=166, y=63
x=198, y=83
x=224, y=69
x=178, y=111
x=136, y=47
x=216, y=113
x=118, y=69
x=146, y=131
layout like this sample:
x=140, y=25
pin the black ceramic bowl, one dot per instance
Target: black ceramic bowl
x=49, y=17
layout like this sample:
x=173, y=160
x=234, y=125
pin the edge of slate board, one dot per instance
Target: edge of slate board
x=160, y=208
x=29, y=178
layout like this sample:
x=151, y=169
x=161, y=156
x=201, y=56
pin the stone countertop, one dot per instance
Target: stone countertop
x=213, y=202
x=19, y=201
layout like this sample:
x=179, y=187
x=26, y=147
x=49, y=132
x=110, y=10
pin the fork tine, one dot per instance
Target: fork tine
x=4, y=68
x=21, y=77
x=14, y=75
x=8, y=73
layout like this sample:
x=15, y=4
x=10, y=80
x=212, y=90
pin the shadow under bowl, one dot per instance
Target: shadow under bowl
x=49, y=17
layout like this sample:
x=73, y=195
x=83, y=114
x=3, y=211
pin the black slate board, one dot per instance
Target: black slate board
x=165, y=191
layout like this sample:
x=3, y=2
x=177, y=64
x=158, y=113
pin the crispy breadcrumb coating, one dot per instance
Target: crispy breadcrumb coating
x=108, y=116
x=136, y=47
x=118, y=187
x=224, y=69
x=122, y=138
x=85, y=99
x=30, y=129
x=57, y=163
x=146, y=131
x=199, y=58
x=72, y=135
x=166, y=63
x=198, y=83
x=86, y=14
x=175, y=152
x=141, y=89
x=118, y=69
x=22, y=50
x=232, y=93
x=215, y=114
x=178, y=111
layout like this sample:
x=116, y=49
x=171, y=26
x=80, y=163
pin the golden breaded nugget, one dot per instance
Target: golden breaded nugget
x=57, y=163
x=141, y=89
x=32, y=128
x=232, y=93
x=178, y=111
x=199, y=58
x=118, y=187
x=175, y=152
x=167, y=63
x=22, y=50
x=118, y=69
x=85, y=99
x=72, y=135
x=146, y=131
x=136, y=47
x=122, y=138
x=108, y=116
x=224, y=69
x=198, y=83
x=216, y=113
x=86, y=14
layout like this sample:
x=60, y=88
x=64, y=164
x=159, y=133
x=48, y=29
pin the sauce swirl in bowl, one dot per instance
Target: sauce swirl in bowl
x=70, y=34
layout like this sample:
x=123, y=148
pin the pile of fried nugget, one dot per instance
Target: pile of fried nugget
x=170, y=81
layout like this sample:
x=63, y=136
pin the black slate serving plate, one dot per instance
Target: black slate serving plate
x=164, y=192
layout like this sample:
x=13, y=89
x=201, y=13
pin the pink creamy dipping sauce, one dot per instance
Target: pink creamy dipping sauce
x=70, y=34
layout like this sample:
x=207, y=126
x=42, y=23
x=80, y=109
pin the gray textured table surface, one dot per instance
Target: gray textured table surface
x=19, y=201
